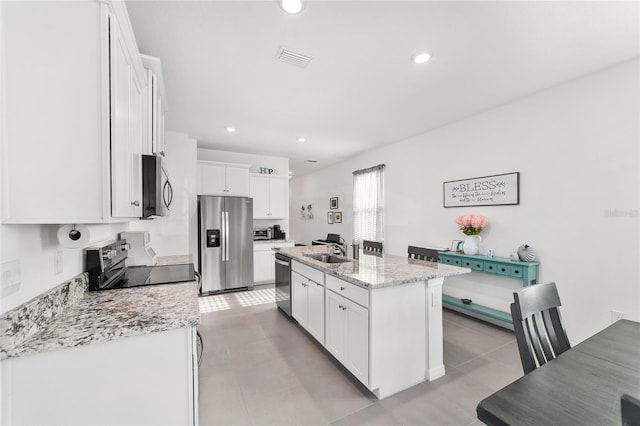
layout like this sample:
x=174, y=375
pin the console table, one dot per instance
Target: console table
x=526, y=272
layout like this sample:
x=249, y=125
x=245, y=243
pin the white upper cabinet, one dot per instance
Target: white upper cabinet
x=61, y=121
x=223, y=179
x=270, y=196
x=126, y=128
x=154, y=108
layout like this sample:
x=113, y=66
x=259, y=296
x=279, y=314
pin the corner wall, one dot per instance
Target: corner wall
x=576, y=148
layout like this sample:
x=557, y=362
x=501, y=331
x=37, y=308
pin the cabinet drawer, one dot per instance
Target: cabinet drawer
x=450, y=260
x=516, y=271
x=308, y=272
x=497, y=268
x=348, y=290
x=473, y=264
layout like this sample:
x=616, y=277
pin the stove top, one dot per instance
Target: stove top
x=136, y=276
x=106, y=265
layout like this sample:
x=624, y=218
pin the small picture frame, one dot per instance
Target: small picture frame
x=330, y=218
x=333, y=203
x=456, y=246
x=337, y=217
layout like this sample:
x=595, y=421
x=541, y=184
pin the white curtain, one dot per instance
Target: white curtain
x=368, y=204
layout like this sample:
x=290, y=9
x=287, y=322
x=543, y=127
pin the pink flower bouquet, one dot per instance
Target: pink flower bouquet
x=472, y=224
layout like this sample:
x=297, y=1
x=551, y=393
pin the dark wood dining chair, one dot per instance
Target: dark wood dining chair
x=538, y=326
x=371, y=246
x=629, y=410
x=422, y=253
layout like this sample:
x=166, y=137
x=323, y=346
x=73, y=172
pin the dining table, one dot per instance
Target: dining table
x=581, y=386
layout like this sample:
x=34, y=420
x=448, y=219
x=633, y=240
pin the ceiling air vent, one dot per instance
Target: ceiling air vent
x=293, y=58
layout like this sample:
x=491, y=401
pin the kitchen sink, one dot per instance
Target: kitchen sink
x=328, y=258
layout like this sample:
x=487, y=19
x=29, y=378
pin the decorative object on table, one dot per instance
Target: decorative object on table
x=337, y=217
x=330, y=218
x=456, y=245
x=309, y=212
x=333, y=203
x=495, y=190
x=526, y=253
x=491, y=253
x=472, y=225
x=514, y=256
x=263, y=170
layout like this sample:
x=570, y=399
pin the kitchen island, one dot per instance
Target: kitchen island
x=123, y=356
x=380, y=315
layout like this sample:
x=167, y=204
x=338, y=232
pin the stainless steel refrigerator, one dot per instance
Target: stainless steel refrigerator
x=225, y=241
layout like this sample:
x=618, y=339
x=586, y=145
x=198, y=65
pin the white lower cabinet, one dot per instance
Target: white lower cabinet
x=308, y=299
x=307, y=304
x=151, y=379
x=264, y=258
x=347, y=336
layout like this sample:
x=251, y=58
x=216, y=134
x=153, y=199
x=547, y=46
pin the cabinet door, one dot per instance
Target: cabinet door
x=299, y=297
x=263, y=266
x=279, y=197
x=259, y=191
x=356, y=356
x=335, y=331
x=237, y=181
x=212, y=179
x=122, y=116
x=315, y=311
x=135, y=145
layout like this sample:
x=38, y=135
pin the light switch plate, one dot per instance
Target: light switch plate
x=10, y=275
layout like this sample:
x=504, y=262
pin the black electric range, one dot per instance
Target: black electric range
x=106, y=265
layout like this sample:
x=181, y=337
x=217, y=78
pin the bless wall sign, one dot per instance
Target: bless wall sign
x=495, y=190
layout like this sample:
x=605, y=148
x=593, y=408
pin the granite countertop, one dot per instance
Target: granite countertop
x=375, y=270
x=70, y=315
x=271, y=241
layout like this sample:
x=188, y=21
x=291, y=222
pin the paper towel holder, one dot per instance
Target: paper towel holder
x=74, y=234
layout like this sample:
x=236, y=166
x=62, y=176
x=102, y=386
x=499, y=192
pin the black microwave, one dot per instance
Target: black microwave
x=157, y=192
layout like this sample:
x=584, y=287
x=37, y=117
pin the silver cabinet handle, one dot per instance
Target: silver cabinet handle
x=135, y=203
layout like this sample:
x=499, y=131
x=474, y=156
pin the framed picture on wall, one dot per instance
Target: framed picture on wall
x=337, y=217
x=330, y=218
x=333, y=203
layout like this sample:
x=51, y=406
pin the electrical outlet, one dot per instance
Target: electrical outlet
x=58, y=262
x=616, y=316
x=10, y=274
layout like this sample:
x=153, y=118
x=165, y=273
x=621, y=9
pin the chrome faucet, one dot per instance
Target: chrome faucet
x=342, y=246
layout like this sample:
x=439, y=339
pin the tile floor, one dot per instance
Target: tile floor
x=259, y=368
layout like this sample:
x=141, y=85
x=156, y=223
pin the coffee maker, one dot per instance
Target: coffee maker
x=277, y=234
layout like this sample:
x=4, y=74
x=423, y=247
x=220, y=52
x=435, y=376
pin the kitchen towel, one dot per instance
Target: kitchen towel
x=74, y=236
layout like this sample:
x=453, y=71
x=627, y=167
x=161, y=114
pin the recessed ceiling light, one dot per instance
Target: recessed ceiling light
x=301, y=140
x=421, y=58
x=291, y=6
x=230, y=129
x=290, y=172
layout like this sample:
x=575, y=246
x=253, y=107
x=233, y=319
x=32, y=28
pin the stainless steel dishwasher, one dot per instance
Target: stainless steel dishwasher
x=283, y=283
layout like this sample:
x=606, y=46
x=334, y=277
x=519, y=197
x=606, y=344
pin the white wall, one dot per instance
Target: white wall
x=576, y=148
x=175, y=234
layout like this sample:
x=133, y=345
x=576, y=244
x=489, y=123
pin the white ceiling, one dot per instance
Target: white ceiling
x=361, y=90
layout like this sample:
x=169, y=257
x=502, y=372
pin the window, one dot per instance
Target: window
x=368, y=204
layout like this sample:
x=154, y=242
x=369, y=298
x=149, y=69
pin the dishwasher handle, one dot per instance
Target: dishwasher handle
x=282, y=262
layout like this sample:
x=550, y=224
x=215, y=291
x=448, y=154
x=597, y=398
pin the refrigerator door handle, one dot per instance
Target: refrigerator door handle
x=226, y=233
x=223, y=239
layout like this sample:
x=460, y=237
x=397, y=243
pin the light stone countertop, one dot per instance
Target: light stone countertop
x=374, y=270
x=272, y=241
x=56, y=320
